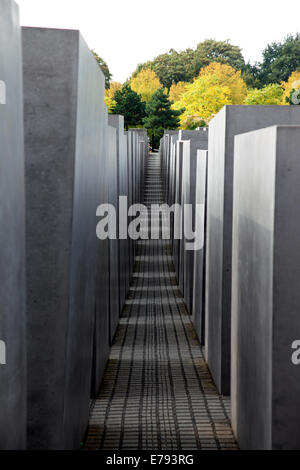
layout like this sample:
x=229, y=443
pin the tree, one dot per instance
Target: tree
x=280, y=60
x=177, y=90
x=229, y=77
x=202, y=100
x=217, y=85
x=268, y=95
x=218, y=51
x=291, y=89
x=109, y=94
x=173, y=67
x=104, y=67
x=129, y=104
x=160, y=116
x=145, y=83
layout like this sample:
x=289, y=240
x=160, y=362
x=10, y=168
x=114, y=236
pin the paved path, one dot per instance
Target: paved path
x=157, y=392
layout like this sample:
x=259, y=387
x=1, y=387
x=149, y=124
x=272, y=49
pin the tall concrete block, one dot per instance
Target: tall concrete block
x=12, y=235
x=101, y=339
x=197, y=140
x=199, y=255
x=113, y=244
x=265, y=289
x=117, y=122
x=232, y=120
x=63, y=96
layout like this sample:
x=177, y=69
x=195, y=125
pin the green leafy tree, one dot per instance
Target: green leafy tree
x=104, y=67
x=218, y=51
x=280, y=60
x=129, y=104
x=174, y=67
x=268, y=95
x=160, y=116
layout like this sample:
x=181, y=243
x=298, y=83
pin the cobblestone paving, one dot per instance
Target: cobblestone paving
x=157, y=392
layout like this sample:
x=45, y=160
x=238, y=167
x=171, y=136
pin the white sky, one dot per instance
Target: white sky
x=127, y=32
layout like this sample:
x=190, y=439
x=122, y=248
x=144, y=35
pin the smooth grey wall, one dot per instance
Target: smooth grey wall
x=12, y=235
x=101, y=341
x=198, y=140
x=232, y=120
x=63, y=96
x=199, y=255
x=113, y=244
x=265, y=289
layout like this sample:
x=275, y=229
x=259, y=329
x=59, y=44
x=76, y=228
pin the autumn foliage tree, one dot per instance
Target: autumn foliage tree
x=268, y=95
x=216, y=86
x=110, y=94
x=291, y=89
x=177, y=90
x=145, y=83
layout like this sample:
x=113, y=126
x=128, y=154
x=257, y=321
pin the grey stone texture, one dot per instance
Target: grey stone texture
x=12, y=235
x=113, y=244
x=198, y=311
x=102, y=316
x=197, y=140
x=230, y=121
x=265, y=289
x=63, y=108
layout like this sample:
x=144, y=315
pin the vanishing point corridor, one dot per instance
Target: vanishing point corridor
x=157, y=392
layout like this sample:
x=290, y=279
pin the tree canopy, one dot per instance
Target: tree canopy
x=291, y=89
x=173, y=67
x=160, y=115
x=280, y=59
x=216, y=86
x=145, y=83
x=268, y=95
x=129, y=104
x=104, y=67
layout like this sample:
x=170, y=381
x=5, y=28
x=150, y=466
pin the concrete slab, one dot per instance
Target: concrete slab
x=230, y=121
x=12, y=235
x=63, y=96
x=199, y=255
x=265, y=289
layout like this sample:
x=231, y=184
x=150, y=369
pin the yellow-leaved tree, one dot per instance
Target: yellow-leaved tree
x=110, y=93
x=145, y=84
x=201, y=101
x=228, y=77
x=177, y=90
x=268, y=95
x=291, y=89
x=216, y=86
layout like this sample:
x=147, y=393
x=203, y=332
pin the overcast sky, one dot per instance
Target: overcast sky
x=127, y=32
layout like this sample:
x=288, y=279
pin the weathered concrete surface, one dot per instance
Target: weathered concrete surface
x=199, y=255
x=232, y=120
x=265, y=289
x=113, y=244
x=197, y=140
x=117, y=122
x=63, y=95
x=101, y=340
x=12, y=235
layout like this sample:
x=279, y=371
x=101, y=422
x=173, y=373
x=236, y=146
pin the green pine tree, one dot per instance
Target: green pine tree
x=160, y=116
x=129, y=105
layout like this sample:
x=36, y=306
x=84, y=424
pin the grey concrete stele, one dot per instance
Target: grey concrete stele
x=197, y=140
x=198, y=311
x=64, y=112
x=265, y=289
x=232, y=120
x=12, y=236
